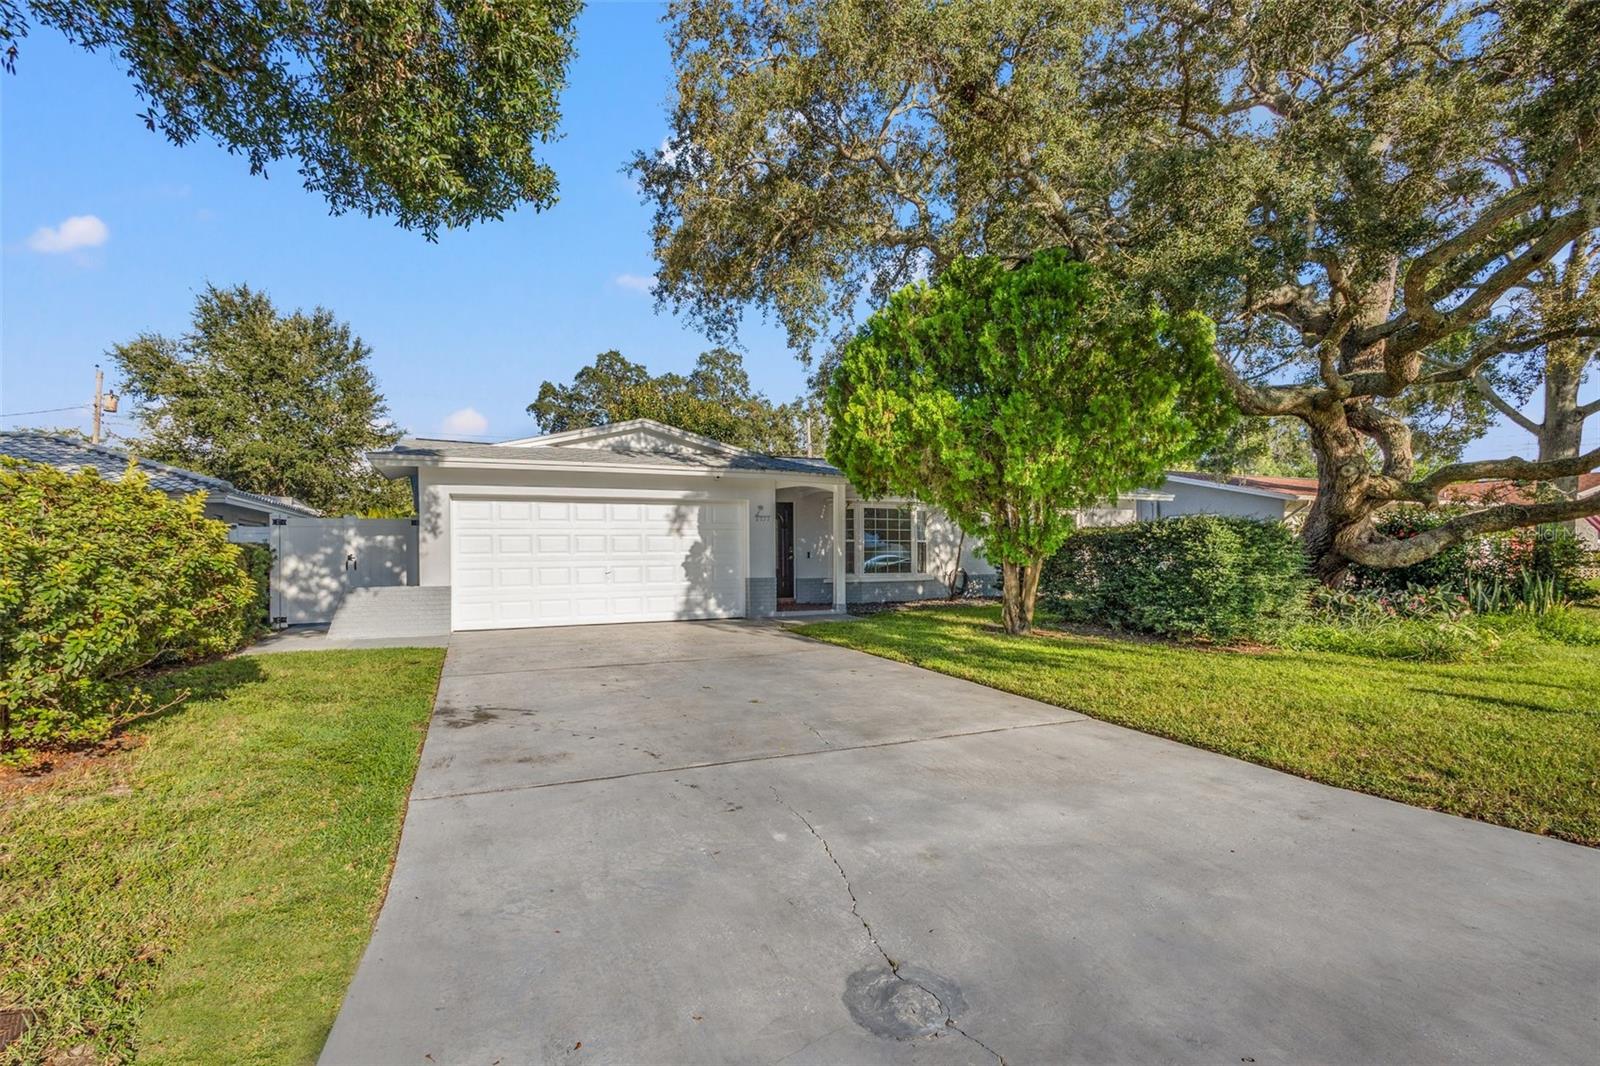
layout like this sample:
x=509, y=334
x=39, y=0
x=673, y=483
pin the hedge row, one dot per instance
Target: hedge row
x=98, y=581
x=1197, y=576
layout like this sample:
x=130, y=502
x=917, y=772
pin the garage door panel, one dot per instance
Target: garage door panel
x=564, y=562
x=475, y=544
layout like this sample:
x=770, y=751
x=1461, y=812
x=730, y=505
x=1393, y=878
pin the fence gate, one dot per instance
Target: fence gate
x=317, y=560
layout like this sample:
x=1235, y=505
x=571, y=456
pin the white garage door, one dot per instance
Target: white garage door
x=560, y=562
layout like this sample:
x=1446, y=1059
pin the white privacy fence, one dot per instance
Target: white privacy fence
x=317, y=560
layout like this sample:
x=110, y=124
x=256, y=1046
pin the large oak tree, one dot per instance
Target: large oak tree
x=284, y=405
x=1360, y=194
x=428, y=111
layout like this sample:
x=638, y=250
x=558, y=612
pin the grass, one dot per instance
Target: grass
x=1513, y=740
x=205, y=894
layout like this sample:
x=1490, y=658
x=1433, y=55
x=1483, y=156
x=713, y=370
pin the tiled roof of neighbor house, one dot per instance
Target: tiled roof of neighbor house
x=1304, y=488
x=429, y=448
x=67, y=453
x=1501, y=491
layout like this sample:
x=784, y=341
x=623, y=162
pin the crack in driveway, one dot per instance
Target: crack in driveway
x=773, y=757
x=855, y=909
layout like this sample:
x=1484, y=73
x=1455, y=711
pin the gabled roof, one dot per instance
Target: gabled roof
x=414, y=450
x=68, y=453
x=619, y=429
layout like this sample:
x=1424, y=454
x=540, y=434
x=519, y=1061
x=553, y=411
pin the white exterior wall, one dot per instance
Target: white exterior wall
x=436, y=487
x=1198, y=499
x=813, y=533
x=813, y=543
x=1098, y=517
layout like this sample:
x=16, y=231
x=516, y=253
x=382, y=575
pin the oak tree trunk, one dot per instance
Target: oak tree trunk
x=1019, y=590
x=1342, y=507
x=1561, y=433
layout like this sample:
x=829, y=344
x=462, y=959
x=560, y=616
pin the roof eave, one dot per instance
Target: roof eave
x=1250, y=490
x=402, y=464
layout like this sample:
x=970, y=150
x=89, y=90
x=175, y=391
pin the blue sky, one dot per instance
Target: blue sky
x=473, y=323
x=476, y=321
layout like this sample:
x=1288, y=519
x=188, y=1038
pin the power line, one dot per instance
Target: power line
x=46, y=411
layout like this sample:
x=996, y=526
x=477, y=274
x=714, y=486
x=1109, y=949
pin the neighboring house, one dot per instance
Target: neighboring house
x=639, y=521
x=1588, y=528
x=1484, y=493
x=223, y=502
x=1282, y=499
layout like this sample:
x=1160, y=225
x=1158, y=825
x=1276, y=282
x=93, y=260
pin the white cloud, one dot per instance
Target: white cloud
x=79, y=231
x=636, y=282
x=466, y=421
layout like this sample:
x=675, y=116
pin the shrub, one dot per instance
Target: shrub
x=1509, y=561
x=1354, y=606
x=1448, y=569
x=98, y=580
x=1222, y=579
x=257, y=562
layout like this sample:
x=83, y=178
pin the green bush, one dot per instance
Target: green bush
x=98, y=580
x=1448, y=569
x=257, y=562
x=1222, y=579
x=1509, y=561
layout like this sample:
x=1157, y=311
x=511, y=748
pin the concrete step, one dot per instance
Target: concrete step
x=393, y=611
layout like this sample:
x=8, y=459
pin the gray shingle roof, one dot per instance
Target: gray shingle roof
x=66, y=453
x=428, y=448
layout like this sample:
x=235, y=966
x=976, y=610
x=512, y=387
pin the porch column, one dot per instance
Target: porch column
x=837, y=554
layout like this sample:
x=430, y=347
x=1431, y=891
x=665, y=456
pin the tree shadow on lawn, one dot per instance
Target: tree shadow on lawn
x=172, y=690
x=1509, y=704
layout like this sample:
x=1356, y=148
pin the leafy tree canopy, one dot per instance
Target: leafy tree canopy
x=425, y=110
x=714, y=400
x=1358, y=194
x=283, y=405
x=1012, y=397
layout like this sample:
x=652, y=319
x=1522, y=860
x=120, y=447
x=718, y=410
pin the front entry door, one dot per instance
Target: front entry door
x=785, y=550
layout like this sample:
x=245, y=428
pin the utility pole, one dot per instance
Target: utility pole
x=103, y=401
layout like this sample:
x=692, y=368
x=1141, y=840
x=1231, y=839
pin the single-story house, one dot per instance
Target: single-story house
x=640, y=521
x=1279, y=499
x=223, y=502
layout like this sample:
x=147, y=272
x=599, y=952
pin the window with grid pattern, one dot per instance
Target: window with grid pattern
x=886, y=542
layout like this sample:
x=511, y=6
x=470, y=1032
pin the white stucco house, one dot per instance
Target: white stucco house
x=640, y=521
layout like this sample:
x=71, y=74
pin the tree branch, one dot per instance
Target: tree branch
x=1389, y=552
x=1427, y=489
x=1487, y=392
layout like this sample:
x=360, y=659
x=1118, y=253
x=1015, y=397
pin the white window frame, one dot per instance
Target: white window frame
x=855, y=523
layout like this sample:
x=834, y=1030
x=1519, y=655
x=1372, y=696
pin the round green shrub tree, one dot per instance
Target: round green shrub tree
x=99, y=580
x=1012, y=396
x=1196, y=576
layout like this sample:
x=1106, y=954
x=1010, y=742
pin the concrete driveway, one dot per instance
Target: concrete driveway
x=720, y=842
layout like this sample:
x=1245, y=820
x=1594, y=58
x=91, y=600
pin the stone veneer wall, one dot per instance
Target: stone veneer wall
x=820, y=590
x=760, y=596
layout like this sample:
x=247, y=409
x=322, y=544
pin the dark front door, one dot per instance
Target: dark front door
x=785, y=549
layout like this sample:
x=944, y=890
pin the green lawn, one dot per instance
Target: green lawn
x=205, y=895
x=1514, y=740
